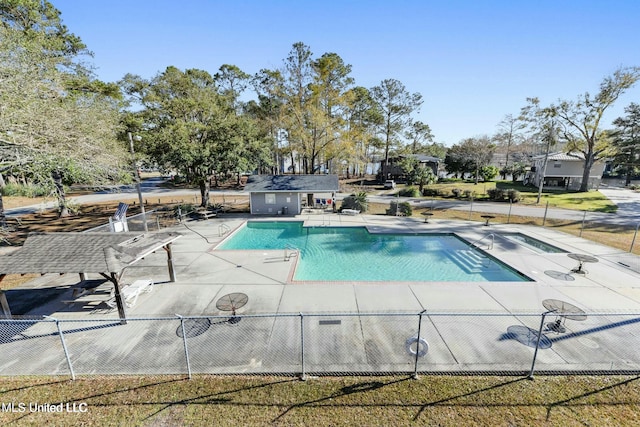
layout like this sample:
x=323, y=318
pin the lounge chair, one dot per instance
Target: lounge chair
x=131, y=292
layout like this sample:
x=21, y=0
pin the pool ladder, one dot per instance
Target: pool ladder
x=490, y=246
x=290, y=251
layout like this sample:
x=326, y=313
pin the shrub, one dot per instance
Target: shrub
x=469, y=194
x=488, y=173
x=500, y=195
x=456, y=192
x=513, y=195
x=496, y=194
x=29, y=190
x=409, y=192
x=183, y=209
x=403, y=208
x=357, y=201
x=433, y=192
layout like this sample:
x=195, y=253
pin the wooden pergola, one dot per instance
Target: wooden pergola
x=107, y=254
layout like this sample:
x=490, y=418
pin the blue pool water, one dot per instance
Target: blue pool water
x=353, y=254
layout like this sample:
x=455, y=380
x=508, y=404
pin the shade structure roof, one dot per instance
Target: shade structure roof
x=292, y=183
x=82, y=252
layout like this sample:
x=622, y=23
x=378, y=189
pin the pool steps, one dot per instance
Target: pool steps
x=469, y=260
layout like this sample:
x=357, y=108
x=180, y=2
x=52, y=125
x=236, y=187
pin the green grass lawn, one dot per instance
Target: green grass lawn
x=592, y=201
x=328, y=401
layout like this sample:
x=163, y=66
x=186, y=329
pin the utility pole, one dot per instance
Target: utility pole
x=137, y=176
x=551, y=136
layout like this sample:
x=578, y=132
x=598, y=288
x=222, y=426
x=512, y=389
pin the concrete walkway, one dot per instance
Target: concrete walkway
x=328, y=327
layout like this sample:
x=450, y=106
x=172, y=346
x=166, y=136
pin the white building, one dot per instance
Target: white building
x=563, y=171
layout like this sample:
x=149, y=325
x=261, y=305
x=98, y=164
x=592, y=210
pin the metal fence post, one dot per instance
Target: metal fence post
x=634, y=238
x=184, y=342
x=470, y=208
x=544, y=220
x=584, y=217
x=535, y=353
x=415, y=365
x=509, y=215
x=303, y=375
x=64, y=346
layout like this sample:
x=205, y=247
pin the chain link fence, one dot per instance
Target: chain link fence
x=325, y=344
x=615, y=230
x=153, y=220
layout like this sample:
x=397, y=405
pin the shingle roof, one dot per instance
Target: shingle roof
x=292, y=183
x=425, y=158
x=82, y=252
x=571, y=157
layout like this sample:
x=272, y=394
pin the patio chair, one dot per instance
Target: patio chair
x=131, y=292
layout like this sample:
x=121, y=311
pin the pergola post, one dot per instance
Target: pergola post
x=4, y=304
x=122, y=312
x=172, y=269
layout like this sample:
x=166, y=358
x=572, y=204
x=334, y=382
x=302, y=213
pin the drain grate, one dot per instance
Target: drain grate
x=330, y=322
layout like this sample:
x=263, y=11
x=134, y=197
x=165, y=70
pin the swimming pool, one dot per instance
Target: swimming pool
x=354, y=254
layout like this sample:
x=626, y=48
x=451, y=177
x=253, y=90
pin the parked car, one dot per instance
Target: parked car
x=389, y=184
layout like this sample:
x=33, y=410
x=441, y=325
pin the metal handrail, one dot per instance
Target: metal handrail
x=484, y=237
x=223, y=229
x=290, y=251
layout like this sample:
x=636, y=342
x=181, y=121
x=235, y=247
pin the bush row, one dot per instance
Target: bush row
x=495, y=194
x=501, y=195
x=19, y=190
x=404, y=208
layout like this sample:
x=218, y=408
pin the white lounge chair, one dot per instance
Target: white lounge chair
x=350, y=211
x=131, y=292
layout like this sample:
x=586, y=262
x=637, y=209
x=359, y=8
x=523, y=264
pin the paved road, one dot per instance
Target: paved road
x=628, y=203
x=150, y=188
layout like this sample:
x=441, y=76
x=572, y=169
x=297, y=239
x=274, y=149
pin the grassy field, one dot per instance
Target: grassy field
x=591, y=201
x=327, y=401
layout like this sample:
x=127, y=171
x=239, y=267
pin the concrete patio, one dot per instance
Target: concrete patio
x=470, y=326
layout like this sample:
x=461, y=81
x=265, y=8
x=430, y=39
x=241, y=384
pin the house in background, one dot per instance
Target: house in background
x=392, y=170
x=288, y=194
x=563, y=171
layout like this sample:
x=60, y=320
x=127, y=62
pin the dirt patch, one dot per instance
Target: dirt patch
x=89, y=216
x=97, y=214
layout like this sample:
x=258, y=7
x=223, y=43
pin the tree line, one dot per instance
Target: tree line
x=60, y=125
x=309, y=115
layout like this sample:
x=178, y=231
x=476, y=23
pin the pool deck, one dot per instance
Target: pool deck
x=612, y=286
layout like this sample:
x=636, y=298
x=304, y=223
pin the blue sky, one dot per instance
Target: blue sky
x=473, y=61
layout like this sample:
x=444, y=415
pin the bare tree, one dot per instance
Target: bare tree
x=581, y=118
